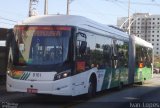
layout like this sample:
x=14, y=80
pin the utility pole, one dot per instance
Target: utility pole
x=129, y=20
x=132, y=59
x=67, y=7
x=32, y=7
x=46, y=7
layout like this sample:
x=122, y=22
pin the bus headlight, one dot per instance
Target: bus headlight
x=9, y=73
x=62, y=75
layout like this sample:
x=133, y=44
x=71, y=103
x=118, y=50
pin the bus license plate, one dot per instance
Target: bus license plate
x=31, y=90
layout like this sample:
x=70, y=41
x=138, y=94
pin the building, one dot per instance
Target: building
x=145, y=26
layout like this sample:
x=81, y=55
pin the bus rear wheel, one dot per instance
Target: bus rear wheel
x=120, y=86
x=141, y=83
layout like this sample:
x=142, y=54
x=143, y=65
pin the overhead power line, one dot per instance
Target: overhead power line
x=7, y=23
x=123, y=7
x=7, y=19
x=12, y=12
x=136, y=3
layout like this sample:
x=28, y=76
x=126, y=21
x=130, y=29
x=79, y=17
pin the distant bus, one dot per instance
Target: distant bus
x=72, y=55
x=3, y=51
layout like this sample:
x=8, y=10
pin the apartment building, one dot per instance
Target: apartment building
x=145, y=26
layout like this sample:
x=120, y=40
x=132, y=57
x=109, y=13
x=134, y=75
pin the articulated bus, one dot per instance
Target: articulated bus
x=71, y=55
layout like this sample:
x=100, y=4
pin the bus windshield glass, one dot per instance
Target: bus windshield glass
x=41, y=45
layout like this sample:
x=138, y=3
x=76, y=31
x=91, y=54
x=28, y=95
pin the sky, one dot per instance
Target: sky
x=102, y=11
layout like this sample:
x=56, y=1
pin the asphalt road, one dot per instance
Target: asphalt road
x=137, y=96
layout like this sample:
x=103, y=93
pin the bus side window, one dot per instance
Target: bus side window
x=107, y=55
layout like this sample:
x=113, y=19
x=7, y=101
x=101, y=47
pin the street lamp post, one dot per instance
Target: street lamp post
x=128, y=19
x=131, y=22
x=123, y=23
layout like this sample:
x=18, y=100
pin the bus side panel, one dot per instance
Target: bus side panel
x=118, y=72
x=113, y=77
x=147, y=73
x=143, y=74
x=107, y=79
x=120, y=63
x=143, y=63
x=80, y=82
x=124, y=75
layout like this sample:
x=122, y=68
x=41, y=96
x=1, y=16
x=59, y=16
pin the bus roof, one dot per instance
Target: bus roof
x=142, y=42
x=78, y=21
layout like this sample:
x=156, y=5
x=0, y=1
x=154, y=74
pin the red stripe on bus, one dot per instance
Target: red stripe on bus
x=43, y=28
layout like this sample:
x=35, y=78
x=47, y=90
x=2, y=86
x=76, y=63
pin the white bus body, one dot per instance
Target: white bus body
x=68, y=82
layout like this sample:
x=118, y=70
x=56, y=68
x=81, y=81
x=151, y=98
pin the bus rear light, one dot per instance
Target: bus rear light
x=141, y=65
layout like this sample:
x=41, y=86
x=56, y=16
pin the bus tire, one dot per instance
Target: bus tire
x=92, y=87
x=120, y=86
x=141, y=83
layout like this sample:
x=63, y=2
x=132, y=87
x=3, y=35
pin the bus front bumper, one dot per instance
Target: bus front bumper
x=59, y=87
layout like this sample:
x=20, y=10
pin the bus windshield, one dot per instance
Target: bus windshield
x=41, y=45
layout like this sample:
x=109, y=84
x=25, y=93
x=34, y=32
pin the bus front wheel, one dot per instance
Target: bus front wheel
x=91, y=88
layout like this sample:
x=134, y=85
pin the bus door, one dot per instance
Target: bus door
x=115, y=70
x=79, y=77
